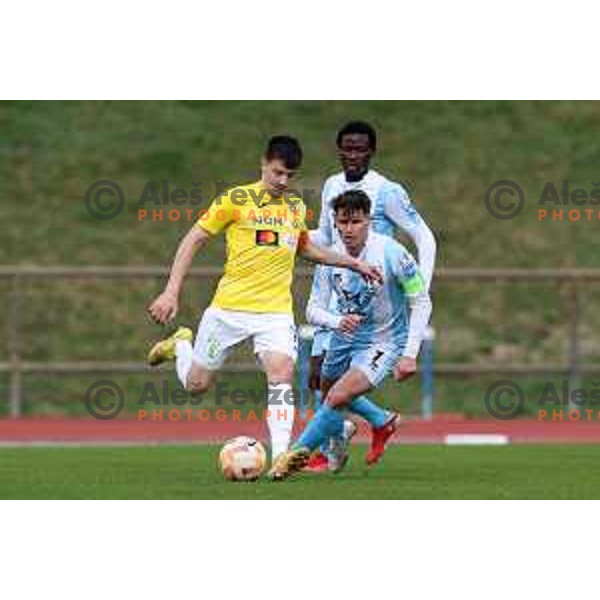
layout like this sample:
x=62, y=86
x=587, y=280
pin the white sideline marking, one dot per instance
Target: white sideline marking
x=476, y=439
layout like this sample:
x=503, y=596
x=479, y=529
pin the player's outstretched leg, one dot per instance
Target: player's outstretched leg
x=325, y=422
x=380, y=436
x=194, y=377
x=373, y=414
x=319, y=460
x=165, y=349
x=279, y=368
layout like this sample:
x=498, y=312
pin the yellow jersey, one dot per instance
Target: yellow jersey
x=262, y=235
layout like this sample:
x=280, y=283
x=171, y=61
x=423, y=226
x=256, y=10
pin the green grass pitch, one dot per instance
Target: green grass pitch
x=419, y=472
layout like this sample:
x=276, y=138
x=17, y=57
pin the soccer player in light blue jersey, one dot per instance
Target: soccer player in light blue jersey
x=391, y=212
x=377, y=328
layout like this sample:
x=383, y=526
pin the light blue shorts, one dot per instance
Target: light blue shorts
x=375, y=361
x=321, y=341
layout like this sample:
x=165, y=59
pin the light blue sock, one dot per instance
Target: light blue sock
x=339, y=432
x=318, y=403
x=369, y=411
x=324, y=424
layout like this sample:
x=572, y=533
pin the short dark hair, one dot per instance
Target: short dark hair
x=286, y=149
x=358, y=127
x=352, y=201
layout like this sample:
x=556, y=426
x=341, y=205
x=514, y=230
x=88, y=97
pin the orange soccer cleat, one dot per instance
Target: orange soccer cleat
x=380, y=437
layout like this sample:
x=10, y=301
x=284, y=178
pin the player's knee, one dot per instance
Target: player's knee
x=337, y=397
x=282, y=376
x=283, y=372
x=197, y=385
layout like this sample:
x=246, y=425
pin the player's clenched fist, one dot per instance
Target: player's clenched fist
x=164, y=308
x=406, y=367
x=350, y=322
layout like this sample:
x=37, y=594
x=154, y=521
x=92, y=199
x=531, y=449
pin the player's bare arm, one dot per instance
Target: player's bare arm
x=325, y=256
x=164, y=308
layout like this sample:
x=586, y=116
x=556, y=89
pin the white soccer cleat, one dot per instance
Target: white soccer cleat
x=337, y=456
x=349, y=429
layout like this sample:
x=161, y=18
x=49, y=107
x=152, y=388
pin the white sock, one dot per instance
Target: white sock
x=183, y=361
x=281, y=417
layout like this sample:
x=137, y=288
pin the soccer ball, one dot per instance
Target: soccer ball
x=242, y=459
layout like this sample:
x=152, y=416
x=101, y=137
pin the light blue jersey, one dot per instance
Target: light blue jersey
x=391, y=212
x=391, y=208
x=383, y=335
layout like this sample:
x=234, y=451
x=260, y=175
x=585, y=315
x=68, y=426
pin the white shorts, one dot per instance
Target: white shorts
x=220, y=330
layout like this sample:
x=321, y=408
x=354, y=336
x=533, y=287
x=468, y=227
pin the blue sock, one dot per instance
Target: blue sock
x=321, y=428
x=339, y=432
x=369, y=411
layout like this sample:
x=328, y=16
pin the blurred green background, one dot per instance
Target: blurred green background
x=446, y=153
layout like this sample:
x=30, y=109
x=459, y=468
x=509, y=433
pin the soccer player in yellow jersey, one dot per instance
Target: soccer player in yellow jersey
x=265, y=228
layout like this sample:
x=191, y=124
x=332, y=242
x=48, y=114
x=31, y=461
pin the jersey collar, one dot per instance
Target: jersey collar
x=367, y=176
x=266, y=197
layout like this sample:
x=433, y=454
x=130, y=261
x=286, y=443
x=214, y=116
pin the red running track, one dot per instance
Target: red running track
x=131, y=431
